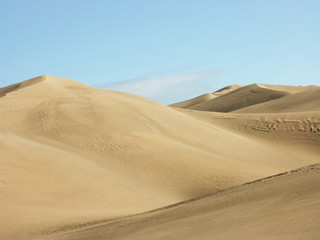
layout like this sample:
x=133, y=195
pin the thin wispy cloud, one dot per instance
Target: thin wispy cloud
x=166, y=89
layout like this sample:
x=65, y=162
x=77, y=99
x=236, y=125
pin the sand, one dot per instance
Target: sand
x=73, y=155
x=285, y=206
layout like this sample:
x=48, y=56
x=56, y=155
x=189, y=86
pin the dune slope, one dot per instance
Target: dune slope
x=284, y=206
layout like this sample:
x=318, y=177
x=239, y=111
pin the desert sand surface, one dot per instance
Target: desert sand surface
x=73, y=155
x=285, y=206
x=302, y=128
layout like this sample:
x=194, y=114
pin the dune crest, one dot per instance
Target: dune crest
x=227, y=89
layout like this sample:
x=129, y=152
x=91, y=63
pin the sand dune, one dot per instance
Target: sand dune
x=260, y=98
x=72, y=154
x=278, y=207
x=194, y=102
x=304, y=101
x=239, y=98
x=286, y=88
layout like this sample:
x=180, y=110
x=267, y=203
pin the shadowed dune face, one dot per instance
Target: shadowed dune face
x=71, y=153
x=194, y=101
x=308, y=100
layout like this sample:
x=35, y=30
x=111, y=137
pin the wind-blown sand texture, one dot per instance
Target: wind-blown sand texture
x=74, y=155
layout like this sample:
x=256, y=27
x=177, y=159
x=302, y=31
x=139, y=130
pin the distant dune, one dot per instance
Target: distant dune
x=304, y=101
x=72, y=154
x=259, y=98
x=194, y=102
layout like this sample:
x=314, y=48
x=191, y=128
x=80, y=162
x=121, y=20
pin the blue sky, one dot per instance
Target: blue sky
x=167, y=50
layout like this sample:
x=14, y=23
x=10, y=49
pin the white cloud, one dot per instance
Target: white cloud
x=166, y=89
